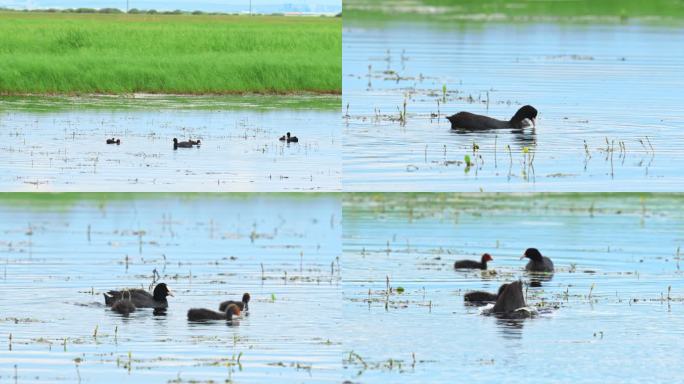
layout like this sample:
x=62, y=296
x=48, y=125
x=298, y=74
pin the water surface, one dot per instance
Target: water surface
x=608, y=96
x=58, y=144
x=604, y=314
x=59, y=254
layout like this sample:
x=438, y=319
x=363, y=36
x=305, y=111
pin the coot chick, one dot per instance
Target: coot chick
x=140, y=297
x=481, y=297
x=203, y=314
x=510, y=298
x=538, y=263
x=471, y=121
x=289, y=139
x=243, y=305
x=471, y=264
x=114, y=141
x=181, y=144
x=123, y=306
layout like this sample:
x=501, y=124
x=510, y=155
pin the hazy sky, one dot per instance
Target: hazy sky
x=203, y=5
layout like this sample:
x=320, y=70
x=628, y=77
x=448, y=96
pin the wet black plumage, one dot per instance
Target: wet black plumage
x=537, y=263
x=140, y=297
x=290, y=139
x=203, y=314
x=481, y=297
x=472, y=121
x=181, y=144
x=510, y=299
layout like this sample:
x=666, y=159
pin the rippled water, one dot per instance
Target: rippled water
x=605, y=315
x=616, y=88
x=59, y=253
x=43, y=148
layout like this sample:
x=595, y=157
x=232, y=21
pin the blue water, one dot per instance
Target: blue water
x=57, y=257
x=62, y=150
x=620, y=83
x=625, y=247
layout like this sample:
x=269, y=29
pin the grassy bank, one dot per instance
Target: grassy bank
x=517, y=10
x=59, y=53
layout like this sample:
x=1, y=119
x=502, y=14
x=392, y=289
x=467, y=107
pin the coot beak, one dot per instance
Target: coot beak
x=168, y=292
x=522, y=257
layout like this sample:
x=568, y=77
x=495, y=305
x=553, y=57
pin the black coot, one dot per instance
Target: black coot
x=471, y=121
x=510, y=299
x=203, y=314
x=140, y=297
x=181, y=144
x=537, y=263
x=289, y=139
x=481, y=297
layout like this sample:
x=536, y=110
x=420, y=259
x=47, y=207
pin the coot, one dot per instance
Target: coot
x=243, y=305
x=203, y=314
x=510, y=298
x=289, y=139
x=123, y=306
x=114, y=141
x=140, y=297
x=481, y=297
x=537, y=263
x=471, y=121
x=181, y=144
x=471, y=264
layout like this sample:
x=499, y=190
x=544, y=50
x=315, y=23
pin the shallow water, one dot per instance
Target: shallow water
x=591, y=84
x=57, y=257
x=62, y=148
x=608, y=252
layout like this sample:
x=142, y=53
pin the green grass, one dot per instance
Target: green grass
x=420, y=205
x=41, y=201
x=517, y=10
x=66, y=54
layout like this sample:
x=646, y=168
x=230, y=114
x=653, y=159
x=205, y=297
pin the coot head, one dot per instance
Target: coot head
x=288, y=135
x=232, y=310
x=245, y=298
x=486, y=257
x=532, y=254
x=526, y=112
x=161, y=291
x=175, y=141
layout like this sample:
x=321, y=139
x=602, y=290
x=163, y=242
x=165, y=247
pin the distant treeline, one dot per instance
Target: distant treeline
x=134, y=11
